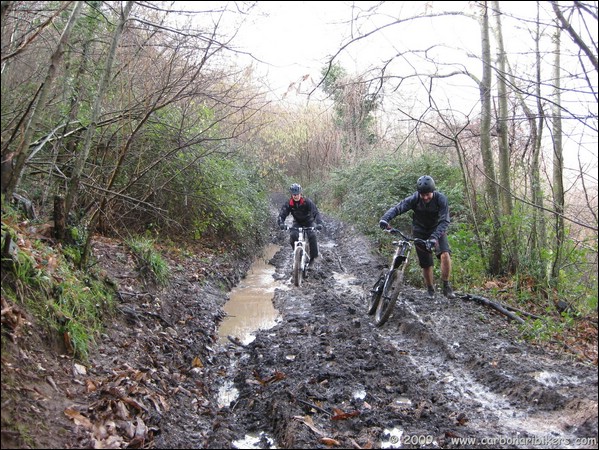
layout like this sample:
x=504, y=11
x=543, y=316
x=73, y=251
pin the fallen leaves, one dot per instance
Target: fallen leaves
x=125, y=402
x=78, y=418
x=197, y=362
x=12, y=318
x=264, y=381
x=330, y=441
x=338, y=414
x=323, y=438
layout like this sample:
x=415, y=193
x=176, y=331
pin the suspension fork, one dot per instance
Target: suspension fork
x=401, y=254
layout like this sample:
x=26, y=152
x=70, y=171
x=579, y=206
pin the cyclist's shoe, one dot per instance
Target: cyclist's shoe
x=447, y=290
x=431, y=292
x=312, y=264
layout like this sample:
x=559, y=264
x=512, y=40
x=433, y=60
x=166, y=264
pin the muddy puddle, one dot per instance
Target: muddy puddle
x=250, y=306
x=249, y=309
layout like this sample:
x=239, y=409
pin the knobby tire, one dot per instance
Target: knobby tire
x=388, y=297
x=374, y=296
x=298, y=273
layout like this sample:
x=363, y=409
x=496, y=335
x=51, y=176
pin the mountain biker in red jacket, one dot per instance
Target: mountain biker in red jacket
x=305, y=214
x=430, y=220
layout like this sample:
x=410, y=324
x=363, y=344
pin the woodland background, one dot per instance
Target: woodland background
x=137, y=120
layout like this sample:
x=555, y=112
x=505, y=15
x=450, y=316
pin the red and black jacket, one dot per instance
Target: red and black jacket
x=304, y=212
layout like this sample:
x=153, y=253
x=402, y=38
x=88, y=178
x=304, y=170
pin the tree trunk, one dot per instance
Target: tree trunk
x=60, y=223
x=73, y=89
x=494, y=205
x=504, y=146
x=558, y=163
x=539, y=234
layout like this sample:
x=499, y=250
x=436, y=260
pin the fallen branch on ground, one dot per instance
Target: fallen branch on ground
x=494, y=305
x=524, y=313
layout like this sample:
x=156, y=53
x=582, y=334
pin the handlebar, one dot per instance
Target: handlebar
x=300, y=228
x=417, y=241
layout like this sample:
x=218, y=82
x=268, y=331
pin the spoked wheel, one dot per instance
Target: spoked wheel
x=374, y=295
x=388, y=297
x=298, y=272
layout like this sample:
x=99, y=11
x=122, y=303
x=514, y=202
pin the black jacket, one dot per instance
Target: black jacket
x=428, y=218
x=304, y=212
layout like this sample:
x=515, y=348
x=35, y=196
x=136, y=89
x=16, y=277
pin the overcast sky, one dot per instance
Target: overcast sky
x=293, y=39
x=296, y=38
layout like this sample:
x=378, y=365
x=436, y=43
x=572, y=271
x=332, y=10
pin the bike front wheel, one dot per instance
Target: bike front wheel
x=298, y=271
x=388, y=297
x=374, y=295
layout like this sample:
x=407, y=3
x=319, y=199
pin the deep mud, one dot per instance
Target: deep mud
x=436, y=372
x=439, y=374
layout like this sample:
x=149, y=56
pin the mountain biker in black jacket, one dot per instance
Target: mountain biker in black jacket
x=305, y=214
x=430, y=221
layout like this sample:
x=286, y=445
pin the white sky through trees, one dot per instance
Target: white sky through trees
x=291, y=42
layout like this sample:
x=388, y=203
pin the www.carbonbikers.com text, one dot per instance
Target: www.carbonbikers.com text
x=560, y=442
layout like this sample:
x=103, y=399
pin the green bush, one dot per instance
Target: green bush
x=224, y=199
x=362, y=194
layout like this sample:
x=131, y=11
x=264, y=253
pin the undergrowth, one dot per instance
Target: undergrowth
x=40, y=278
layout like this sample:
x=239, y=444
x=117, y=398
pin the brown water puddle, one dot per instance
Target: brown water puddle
x=250, y=307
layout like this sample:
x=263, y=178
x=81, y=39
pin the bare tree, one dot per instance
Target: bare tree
x=504, y=144
x=558, y=159
x=353, y=106
x=535, y=119
x=12, y=170
x=502, y=120
x=137, y=127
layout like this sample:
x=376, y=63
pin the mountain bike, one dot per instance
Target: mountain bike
x=383, y=295
x=301, y=255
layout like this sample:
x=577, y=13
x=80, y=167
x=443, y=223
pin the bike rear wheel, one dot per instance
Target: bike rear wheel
x=298, y=272
x=374, y=295
x=388, y=297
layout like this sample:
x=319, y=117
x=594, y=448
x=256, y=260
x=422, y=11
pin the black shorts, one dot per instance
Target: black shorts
x=425, y=258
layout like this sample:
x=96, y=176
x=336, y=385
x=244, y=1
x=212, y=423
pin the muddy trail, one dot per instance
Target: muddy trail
x=439, y=374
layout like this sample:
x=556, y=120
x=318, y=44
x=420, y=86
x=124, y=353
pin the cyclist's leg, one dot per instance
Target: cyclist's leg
x=313, y=245
x=445, y=257
x=427, y=273
x=425, y=259
x=444, y=254
x=293, y=237
x=445, y=266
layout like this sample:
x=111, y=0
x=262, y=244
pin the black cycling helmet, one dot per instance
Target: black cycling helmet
x=425, y=184
x=295, y=189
